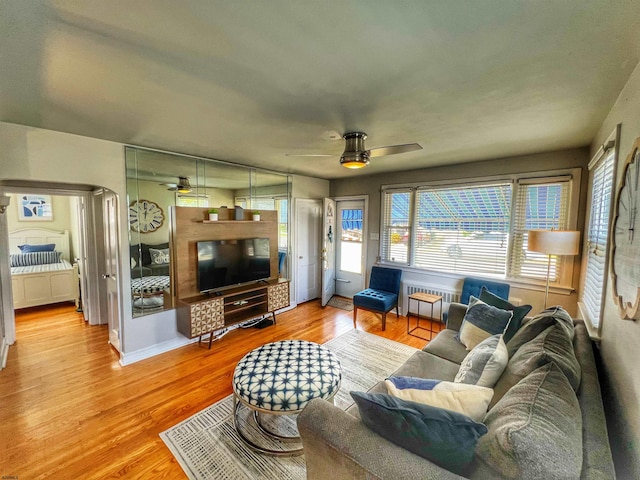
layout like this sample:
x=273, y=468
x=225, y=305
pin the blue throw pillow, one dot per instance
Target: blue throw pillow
x=47, y=247
x=482, y=321
x=442, y=436
x=519, y=312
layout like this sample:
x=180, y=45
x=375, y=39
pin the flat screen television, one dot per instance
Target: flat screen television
x=225, y=263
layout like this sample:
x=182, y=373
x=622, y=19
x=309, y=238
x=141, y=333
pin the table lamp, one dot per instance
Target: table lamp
x=553, y=242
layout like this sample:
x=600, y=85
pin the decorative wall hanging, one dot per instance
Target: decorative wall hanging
x=625, y=273
x=34, y=208
x=145, y=216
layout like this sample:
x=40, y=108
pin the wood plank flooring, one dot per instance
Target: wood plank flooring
x=69, y=410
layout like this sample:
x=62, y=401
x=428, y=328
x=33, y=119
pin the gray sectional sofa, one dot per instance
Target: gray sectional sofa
x=545, y=421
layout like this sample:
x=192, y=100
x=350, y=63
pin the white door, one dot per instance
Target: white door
x=308, y=221
x=328, y=251
x=350, y=225
x=111, y=260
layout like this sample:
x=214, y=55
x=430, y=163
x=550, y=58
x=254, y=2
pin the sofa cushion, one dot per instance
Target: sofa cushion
x=159, y=256
x=446, y=438
x=425, y=365
x=470, y=400
x=378, y=300
x=446, y=345
x=482, y=321
x=531, y=328
x=535, y=431
x=485, y=363
x=552, y=345
x=519, y=312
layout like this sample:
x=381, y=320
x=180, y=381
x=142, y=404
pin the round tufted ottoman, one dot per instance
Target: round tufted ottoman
x=281, y=378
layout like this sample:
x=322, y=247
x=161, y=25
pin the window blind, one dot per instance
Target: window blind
x=597, y=236
x=539, y=205
x=396, y=225
x=463, y=229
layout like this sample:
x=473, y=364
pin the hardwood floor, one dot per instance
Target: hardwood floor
x=69, y=410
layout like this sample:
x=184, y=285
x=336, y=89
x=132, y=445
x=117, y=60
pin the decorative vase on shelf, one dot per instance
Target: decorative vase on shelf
x=256, y=216
x=213, y=215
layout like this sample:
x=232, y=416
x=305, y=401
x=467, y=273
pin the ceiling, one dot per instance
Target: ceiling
x=251, y=81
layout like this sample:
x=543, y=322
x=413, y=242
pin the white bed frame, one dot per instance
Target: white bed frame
x=33, y=289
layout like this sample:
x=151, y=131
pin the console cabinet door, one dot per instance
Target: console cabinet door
x=206, y=316
x=278, y=296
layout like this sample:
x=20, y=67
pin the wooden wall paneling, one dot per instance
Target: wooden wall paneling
x=189, y=225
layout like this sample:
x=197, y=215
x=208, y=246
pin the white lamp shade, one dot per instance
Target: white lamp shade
x=554, y=242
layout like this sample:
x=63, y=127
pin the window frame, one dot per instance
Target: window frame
x=565, y=280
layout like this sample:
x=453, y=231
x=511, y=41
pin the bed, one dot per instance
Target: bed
x=34, y=280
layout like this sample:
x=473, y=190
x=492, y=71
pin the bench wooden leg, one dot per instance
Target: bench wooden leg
x=355, y=312
x=384, y=320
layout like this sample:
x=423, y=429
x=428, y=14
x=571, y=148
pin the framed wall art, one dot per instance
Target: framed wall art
x=34, y=207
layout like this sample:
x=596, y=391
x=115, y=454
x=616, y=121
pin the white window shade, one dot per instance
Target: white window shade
x=539, y=205
x=597, y=236
x=396, y=225
x=463, y=229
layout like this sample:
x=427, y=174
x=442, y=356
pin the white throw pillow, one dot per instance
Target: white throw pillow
x=470, y=400
x=485, y=363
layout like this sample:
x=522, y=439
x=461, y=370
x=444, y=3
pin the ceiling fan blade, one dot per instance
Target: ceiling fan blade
x=309, y=155
x=393, y=149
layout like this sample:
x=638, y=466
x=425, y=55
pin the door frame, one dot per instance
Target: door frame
x=365, y=230
x=7, y=315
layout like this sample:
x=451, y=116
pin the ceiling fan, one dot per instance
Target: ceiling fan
x=355, y=154
x=183, y=185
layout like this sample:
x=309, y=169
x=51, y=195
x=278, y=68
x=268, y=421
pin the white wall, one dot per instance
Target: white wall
x=620, y=345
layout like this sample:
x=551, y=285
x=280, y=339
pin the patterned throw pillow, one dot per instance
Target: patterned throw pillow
x=47, y=247
x=519, y=312
x=470, y=400
x=484, y=364
x=482, y=321
x=159, y=257
x=444, y=437
x=34, y=258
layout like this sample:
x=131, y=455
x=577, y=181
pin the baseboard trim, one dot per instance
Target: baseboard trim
x=4, y=353
x=144, y=353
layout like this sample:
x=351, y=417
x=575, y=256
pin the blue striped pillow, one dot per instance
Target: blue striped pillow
x=34, y=258
x=47, y=247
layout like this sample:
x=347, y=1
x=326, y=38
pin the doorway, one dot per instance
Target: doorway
x=350, y=251
x=72, y=215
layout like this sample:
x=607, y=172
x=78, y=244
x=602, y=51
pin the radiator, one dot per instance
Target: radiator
x=448, y=296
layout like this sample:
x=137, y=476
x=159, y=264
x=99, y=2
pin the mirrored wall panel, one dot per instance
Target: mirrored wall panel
x=156, y=181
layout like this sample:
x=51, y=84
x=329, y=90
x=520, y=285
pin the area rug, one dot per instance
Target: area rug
x=207, y=446
x=340, y=302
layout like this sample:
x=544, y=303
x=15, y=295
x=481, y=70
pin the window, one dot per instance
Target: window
x=478, y=228
x=191, y=200
x=278, y=203
x=597, y=236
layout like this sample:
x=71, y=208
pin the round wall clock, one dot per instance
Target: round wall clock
x=626, y=242
x=145, y=216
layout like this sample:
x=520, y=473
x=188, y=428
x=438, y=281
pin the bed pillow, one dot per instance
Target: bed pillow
x=446, y=438
x=470, y=400
x=484, y=364
x=482, y=321
x=48, y=247
x=519, y=312
x=159, y=257
x=34, y=258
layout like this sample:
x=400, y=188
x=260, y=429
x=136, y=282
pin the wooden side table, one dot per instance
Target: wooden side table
x=421, y=297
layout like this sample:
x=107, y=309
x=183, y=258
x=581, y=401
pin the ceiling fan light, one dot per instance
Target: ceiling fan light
x=354, y=159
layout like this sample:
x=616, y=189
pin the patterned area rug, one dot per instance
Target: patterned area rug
x=207, y=446
x=340, y=302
